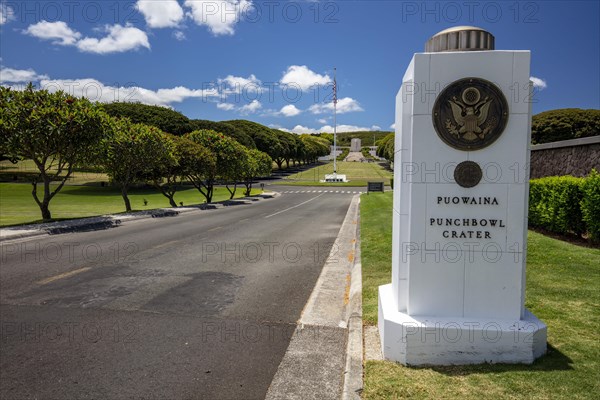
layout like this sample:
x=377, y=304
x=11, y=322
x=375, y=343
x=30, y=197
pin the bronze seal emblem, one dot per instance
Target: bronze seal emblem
x=470, y=114
x=468, y=174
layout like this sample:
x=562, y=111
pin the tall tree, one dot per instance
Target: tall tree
x=259, y=164
x=227, y=152
x=133, y=152
x=190, y=161
x=54, y=130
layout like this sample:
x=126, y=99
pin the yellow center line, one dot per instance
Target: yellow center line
x=63, y=275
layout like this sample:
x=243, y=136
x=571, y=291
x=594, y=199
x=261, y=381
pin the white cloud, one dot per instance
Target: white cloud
x=59, y=32
x=348, y=128
x=160, y=13
x=251, y=107
x=225, y=106
x=7, y=14
x=97, y=91
x=301, y=77
x=119, y=39
x=19, y=75
x=219, y=16
x=322, y=120
x=290, y=110
x=237, y=84
x=538, y=83
x=179, y=35
x=299, y=129
x=393, y=126
x=345, y=105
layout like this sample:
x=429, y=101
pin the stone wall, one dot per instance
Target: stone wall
x=574, y=157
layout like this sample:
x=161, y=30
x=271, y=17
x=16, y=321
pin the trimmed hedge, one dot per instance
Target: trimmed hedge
x=344, y=154
x=590, y=204
x=565, y=204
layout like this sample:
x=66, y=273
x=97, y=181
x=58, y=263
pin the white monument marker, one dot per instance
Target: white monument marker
x=460, y=210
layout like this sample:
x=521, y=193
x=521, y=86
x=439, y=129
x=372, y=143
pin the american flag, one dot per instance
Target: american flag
x=334, y=92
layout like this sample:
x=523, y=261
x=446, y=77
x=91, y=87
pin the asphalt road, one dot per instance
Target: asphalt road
x=201, y=305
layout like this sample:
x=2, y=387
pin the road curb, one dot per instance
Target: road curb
x=353, y=375
x=102, y=222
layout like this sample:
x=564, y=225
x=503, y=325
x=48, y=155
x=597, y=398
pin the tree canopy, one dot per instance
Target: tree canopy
x=564, y=124
x=230, y=157
x=133, y=152
x=55, y=130
x=163, y=118
x=225, y=128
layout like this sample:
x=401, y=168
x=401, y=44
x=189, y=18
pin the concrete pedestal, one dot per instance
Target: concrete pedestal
x=422, y=340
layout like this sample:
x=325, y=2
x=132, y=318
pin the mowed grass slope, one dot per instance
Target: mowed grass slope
x=357, y=173
x=563, y=290
x=18, y=207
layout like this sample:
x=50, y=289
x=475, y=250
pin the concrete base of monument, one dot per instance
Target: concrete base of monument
x=335, y=178
x=415, y=340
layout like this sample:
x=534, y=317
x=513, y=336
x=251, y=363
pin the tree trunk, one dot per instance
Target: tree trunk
x=169, y=194
x=172, y=200
x=279, y=163
x=248, y=188
x=46, y=215
x=209, y=194
x=287, y=163
x=126, y=199
x=232, y=192
x=45, y=203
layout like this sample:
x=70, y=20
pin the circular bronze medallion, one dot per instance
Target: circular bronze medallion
x=468, y=174
x=470, y=114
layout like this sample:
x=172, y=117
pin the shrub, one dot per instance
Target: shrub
x=554, y=204
x=344, y=154
x=590, y=204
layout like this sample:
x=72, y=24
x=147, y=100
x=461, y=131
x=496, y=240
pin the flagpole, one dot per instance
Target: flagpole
x=334, y=121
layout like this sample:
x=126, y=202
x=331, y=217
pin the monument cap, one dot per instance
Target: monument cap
x=460, y=38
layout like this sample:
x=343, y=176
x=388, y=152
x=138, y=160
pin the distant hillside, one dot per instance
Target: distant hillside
x=366, y=137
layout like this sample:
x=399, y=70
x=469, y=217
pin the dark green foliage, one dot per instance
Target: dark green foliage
x=590, y=204
x=174, y=122
x=260, y=134
x=366, y=153
x=386, y=147
x=225, y=128
x=554, y=204
x=564, y=124
x=163, y=118
x=313, y=147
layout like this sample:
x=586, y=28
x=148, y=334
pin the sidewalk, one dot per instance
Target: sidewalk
x=324, y=357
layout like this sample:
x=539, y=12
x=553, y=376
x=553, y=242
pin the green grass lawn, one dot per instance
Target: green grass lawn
x=357, y=173
x=563, y=290
x=18, y=207
x=24, y=169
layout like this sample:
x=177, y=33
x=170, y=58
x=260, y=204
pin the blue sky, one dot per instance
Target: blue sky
x=272, y=61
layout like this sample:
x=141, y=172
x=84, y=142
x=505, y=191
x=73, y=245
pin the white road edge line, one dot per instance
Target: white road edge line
x=297, y=205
